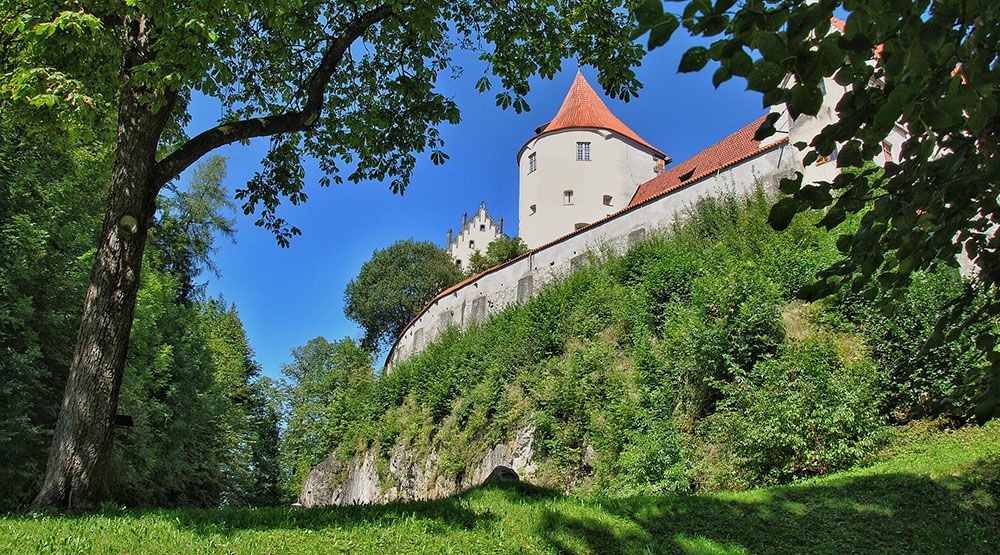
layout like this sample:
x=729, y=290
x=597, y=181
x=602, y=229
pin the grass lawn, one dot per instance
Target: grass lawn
x=937, y=493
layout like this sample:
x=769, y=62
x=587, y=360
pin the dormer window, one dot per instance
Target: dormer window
x=583, y=152
x=607, y=200
x=567, y=197
x=532, y=162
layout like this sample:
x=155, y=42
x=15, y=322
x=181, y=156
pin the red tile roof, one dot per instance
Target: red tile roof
x=583, y=108
x=730, y=150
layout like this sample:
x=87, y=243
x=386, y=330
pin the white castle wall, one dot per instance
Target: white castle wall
x=616, y=167
x=519, y=280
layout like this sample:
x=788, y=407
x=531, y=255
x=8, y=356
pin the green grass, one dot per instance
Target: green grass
x=937, y=493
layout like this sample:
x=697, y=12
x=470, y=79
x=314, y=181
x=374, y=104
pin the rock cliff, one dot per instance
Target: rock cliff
x=358, y=480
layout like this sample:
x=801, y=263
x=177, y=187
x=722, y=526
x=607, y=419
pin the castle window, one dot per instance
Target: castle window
x=458, y=262
x=532, y=162
x=472, y=244
x=567, y=197
x=607, y=200
x=482, y=227
x=533, y=209
x=583, y=151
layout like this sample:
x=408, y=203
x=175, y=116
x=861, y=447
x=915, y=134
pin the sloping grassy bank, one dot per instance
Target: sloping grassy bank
x=937, y=493
x=684, y=365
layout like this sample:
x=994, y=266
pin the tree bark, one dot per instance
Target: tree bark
x=81, y=447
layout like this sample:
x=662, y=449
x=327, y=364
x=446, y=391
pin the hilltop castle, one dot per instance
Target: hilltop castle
x=588, y=182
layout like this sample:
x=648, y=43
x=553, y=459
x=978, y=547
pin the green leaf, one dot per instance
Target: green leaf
x=806, y=99
x=694, y=59
x=720, y=76
x=782, y=213
x=765, y=76
x=789, y=185
x=766, y=129
x=662, y=31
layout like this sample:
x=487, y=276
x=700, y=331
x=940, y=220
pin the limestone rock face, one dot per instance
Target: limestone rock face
x=358, y=481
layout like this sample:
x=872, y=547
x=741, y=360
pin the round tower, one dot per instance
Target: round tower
x=580, y=167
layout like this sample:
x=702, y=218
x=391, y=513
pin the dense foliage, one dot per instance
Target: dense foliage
x=684, y=364
x=353, y=85
x=930, y=67
x=500, y=250
x=394, y=285
x=205, y=427
x=325, y=388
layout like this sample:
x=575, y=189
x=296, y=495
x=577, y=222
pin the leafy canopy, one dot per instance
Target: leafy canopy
x=351, y=84
x=394, y=285
x=929, y=67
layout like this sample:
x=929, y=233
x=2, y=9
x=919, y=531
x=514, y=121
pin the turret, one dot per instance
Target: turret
x=580, y=167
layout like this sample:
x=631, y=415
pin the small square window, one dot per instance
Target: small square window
x=583, y=151
x=458, y=262
x=532, y=162
x=607, y=200
x=567, y=197
x=482, y=227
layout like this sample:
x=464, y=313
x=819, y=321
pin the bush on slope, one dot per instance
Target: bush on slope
x=685, y=363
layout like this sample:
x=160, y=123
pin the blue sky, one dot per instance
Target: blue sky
x=288, y=296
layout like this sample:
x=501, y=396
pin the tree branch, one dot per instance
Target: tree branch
x=288, y=122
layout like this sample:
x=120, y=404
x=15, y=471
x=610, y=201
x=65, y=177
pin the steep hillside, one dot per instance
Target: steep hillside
x=939, y=493
x=684, y=365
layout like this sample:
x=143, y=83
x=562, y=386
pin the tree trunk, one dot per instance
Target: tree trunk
x=81, y=447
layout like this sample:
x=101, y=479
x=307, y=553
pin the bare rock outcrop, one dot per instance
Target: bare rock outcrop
x=358, y=481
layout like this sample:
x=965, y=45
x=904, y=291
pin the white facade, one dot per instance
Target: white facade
x=560, y=193
x=475, y=234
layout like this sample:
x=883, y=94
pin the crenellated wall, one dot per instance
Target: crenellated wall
x=486, y=294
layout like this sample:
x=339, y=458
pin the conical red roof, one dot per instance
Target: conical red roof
x=584, y=108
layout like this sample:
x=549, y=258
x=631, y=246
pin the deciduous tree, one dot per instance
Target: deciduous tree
x=394, y=285
x=501, y=250
x=350, y=83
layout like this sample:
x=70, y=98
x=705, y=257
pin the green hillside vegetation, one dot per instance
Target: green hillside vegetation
x=684, y=365
x=939, y=493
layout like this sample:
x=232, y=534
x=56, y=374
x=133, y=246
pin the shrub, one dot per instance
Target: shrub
x=801, y=414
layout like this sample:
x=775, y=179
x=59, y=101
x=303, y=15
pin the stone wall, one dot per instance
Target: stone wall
x=518, y=281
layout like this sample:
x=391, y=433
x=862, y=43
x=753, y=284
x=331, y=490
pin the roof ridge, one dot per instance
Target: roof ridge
x=583, y=108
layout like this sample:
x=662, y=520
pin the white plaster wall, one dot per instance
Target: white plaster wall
x=494, y=291
x=616, y=167
x=460, y=249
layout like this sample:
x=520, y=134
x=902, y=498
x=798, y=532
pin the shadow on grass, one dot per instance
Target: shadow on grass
x=441, y=516
x=891, y=513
